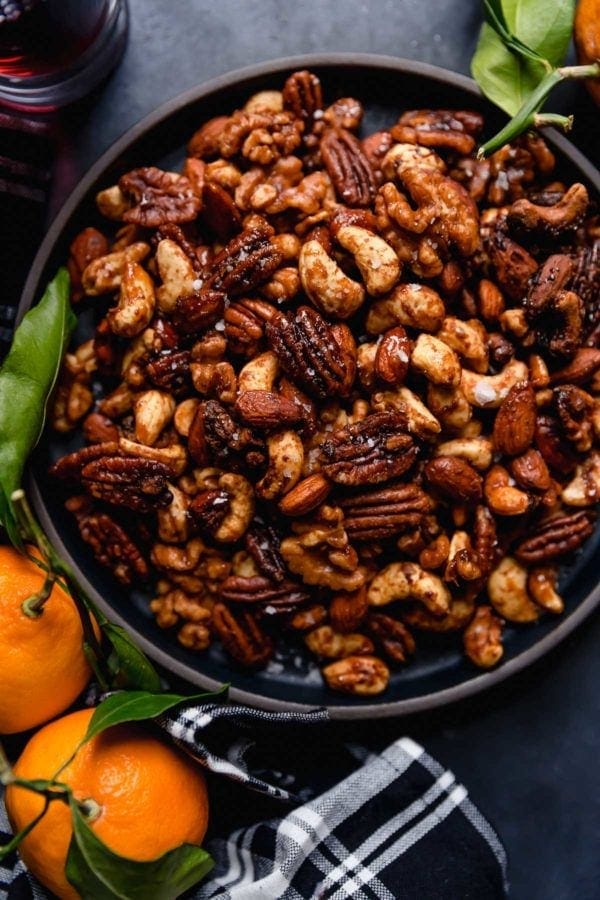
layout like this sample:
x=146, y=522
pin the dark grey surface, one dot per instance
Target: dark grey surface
x=529, y=752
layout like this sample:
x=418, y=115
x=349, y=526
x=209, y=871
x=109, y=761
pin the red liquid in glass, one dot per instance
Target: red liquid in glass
x=42, y=37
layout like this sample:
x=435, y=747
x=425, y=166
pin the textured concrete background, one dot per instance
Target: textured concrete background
x=529, y=752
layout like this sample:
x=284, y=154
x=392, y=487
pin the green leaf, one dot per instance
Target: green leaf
x=137, y=706
x=544, y=25
x=128, y=664
x=505, y=78
x=494, y=16
x=27, y=377
x=100, y=874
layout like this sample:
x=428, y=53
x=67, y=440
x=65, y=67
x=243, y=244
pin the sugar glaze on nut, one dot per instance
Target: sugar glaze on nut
x=335, y=372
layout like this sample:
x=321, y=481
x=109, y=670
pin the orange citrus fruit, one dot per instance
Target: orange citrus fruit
x=152, y=797
x=587, y=39
x=42, y=665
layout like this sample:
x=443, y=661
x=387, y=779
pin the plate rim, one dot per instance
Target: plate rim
x=396, y=708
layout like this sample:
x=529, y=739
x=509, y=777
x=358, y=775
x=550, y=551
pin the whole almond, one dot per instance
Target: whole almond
x=514, y=426
x=264, y=409
x=454, y=478
x=393, y=356
x=306, y=496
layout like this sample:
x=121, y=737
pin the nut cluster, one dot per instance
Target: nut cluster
x=341, y=389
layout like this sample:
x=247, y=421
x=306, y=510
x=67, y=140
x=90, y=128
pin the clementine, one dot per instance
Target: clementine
x=587, y=39
x=42, y=665
x=152, y=797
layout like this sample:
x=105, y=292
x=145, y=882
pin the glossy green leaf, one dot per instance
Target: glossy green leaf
x=137, y=706
x=544, y=25
x=27, y=377
x=505, y=78
x=129, y=665
x=98, y=873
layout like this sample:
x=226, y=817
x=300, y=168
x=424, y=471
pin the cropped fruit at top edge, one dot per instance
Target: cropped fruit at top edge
x=152, y=797
x=587, y=39
x=42, y=665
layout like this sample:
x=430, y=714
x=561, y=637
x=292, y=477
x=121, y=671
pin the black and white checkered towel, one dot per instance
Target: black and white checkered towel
x=397, y=827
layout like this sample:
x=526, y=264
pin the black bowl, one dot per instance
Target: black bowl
x=440, y=674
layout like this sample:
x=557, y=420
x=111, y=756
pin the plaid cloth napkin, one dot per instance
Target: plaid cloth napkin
x=397, y=826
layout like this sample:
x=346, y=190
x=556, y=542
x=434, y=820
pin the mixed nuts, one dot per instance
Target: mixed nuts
x=340, y=387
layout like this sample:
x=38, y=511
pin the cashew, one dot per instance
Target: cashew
x=104, y=274
x=468, y=340
x=462, y=563
x=184, y=415
x=365, y=364
x=515, y=322
x=375, y=259
x=260, y=373
x=175, y=456
x=507, y=590
x=152, y=411
x=112, y=203
x=241, y=508
x=501, y=496
x=476, y=450
x=558, y=217
x=286, y=460
x=173, y=522
x=450, y=406
x=482, y=638
x=584, y=488
x=420, y=420
x=135, y=308
x=436, y=360
x=404, y=156
x=117, y=403
x=488, y=391
x=265, y=101
x=415, y=305
x=177, y=273
x=541, y=584
x=330, y=644
x=408, y=581
x=460, y=612
x=327, y=286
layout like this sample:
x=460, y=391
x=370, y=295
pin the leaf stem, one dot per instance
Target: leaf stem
x=528, y=115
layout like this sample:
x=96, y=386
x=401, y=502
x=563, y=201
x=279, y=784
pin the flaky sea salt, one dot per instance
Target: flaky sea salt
x=485, y=394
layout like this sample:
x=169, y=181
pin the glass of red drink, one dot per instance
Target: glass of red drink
x=53, y=52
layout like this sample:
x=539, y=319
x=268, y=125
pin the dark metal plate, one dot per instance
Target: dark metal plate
x=440, y=674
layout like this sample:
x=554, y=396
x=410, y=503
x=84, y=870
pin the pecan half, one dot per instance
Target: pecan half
x=302, y=95
x=199, y=310
x=111, y=544
x=70, y=467
x=170, y=371
x=242, y=637
x=246, y=261
x=374, y=450
x=378, y=514
x=158, y=197
x=586, y=283
x=209, y=508
x=215, y=436
x=263, y=593
x=135, y=483
x=348, y=167
x=244, y=324
x=312, y=352
x=262, y=543
x=260, y=137
x=446, y=129
x=555, y=538
x=393, y=636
